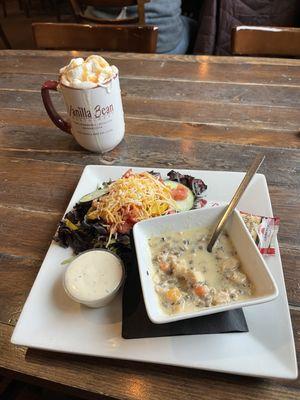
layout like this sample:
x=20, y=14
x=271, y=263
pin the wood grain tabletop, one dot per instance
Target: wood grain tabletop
x=197, y=112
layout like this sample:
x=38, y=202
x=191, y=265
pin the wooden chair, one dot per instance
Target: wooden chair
x=127, y=38
x=266, y=41
x=27, y=7
x=79, y=6
x=4, y=38
x=4, y=8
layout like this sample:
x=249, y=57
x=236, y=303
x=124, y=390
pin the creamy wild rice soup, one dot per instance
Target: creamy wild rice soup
x=187, y=277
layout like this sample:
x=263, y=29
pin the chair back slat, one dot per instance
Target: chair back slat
x=79, y=5
x=109, y=3
x=266, y=41
x=124, y=38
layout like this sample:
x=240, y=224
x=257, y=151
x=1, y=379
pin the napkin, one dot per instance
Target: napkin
x=136, y=324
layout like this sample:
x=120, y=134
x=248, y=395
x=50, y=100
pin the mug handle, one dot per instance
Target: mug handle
x=53, y=114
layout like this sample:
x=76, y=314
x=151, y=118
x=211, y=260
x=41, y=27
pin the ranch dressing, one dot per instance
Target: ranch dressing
x=94, y=277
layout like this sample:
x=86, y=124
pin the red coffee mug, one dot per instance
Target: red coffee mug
x=53, y=114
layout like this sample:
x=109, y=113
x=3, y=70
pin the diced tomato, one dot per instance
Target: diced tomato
x=179, y=193
x=125, y=227
x=130, y=214
x=128, y=173
x=131, y=220
x=171, y=212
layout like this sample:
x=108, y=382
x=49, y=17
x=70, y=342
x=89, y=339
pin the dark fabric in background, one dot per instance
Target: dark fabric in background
x=218, y=17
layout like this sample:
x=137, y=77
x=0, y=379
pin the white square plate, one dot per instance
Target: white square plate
x=51, y=321
x=252, y=261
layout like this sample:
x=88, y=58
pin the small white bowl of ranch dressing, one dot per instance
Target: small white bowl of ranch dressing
x=94, y=277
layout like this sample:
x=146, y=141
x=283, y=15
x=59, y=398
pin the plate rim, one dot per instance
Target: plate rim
x=291, y=370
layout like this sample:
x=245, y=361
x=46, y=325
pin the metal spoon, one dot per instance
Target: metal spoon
x=238, y=194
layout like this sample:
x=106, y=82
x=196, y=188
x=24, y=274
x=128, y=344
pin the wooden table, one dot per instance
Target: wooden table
x=181, y=111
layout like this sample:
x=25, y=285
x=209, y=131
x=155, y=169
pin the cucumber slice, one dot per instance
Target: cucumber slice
x=93, y=195
x=186, y=204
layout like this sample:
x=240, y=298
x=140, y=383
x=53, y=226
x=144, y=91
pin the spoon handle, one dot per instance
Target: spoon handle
x=238, y=194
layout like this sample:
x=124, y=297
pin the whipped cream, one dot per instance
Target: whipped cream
x=87, y=74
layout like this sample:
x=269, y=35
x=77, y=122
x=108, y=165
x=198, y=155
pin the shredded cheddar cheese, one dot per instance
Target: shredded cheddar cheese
x=132, y=198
